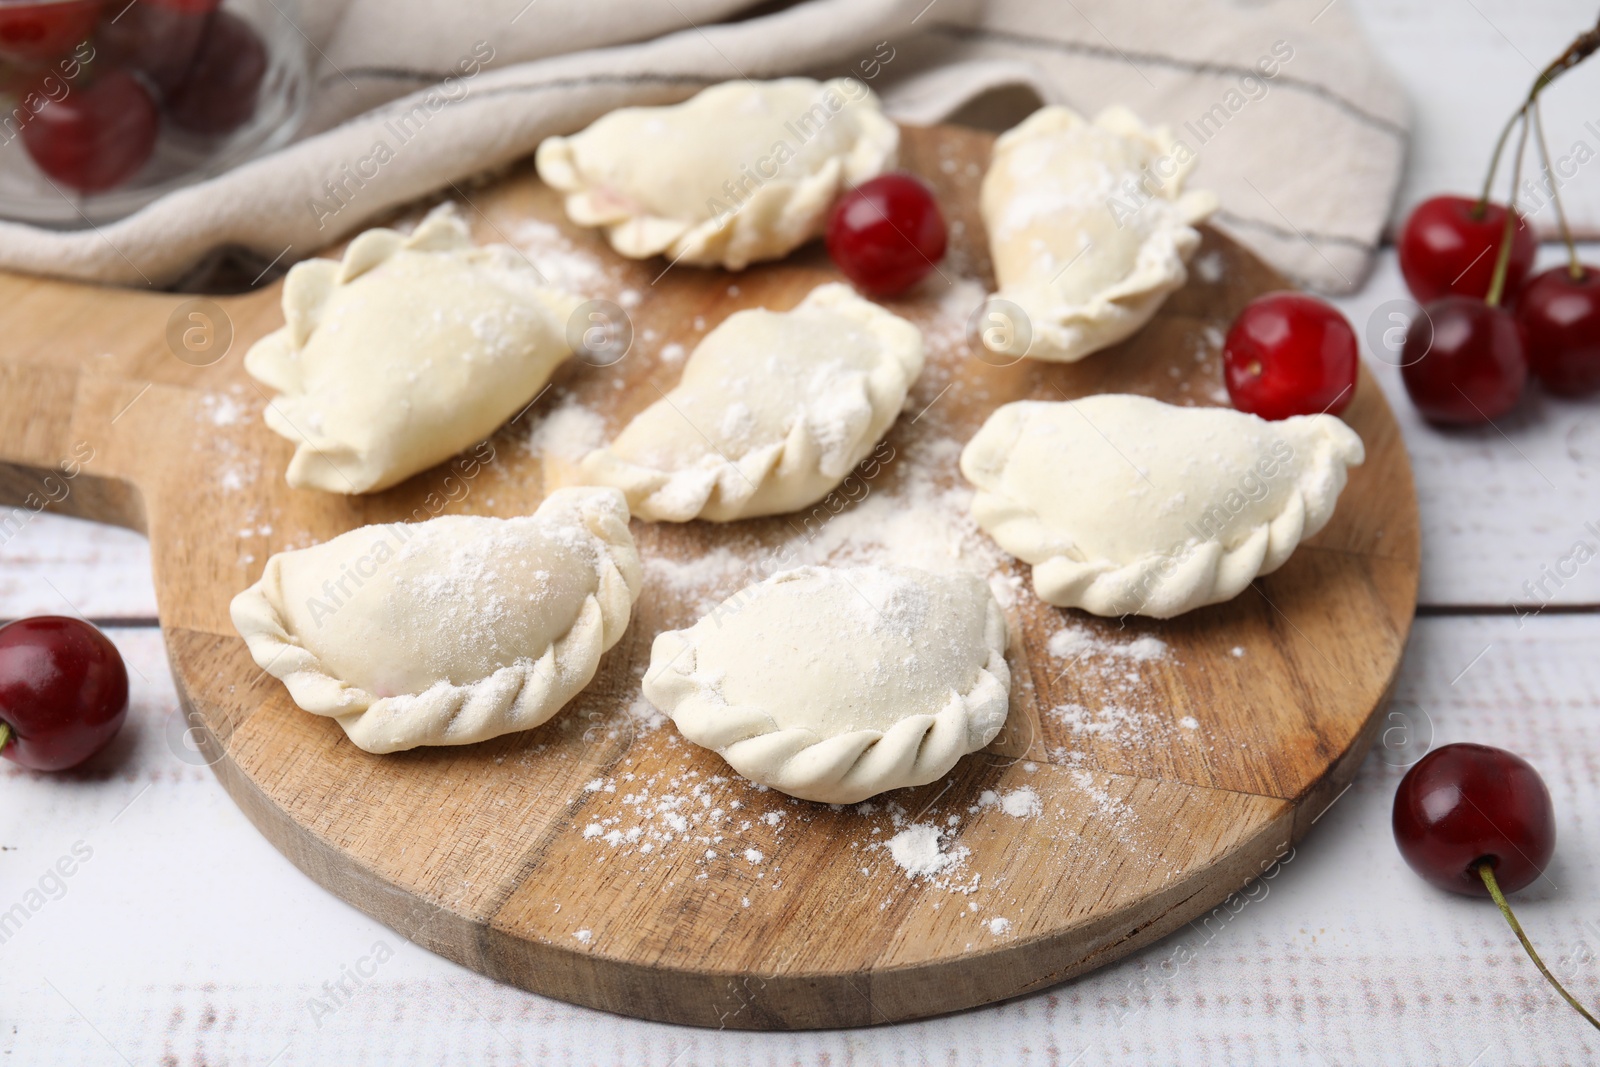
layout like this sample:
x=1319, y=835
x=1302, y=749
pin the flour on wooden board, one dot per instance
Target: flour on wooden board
x=1130, y=709
x=559, y=262
x=566, y=429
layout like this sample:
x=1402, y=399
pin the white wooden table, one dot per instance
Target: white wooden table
x=186, y=939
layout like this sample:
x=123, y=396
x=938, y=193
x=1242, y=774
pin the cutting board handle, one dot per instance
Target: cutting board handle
x=92, y=382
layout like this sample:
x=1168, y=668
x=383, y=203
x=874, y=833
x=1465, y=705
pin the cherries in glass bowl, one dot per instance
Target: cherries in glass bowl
x=108, y=105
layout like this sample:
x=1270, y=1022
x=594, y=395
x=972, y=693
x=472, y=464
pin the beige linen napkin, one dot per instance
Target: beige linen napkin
x=1296, y=126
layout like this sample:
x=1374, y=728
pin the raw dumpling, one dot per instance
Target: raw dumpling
x=1089, y=228
x=405, y=352
x=743, y=171
x=835, y=684
x=1128, y=506
x=449, y=631
x=773, y=410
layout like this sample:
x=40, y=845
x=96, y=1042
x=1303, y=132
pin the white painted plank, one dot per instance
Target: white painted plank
x=52, y=565
x=1501, y=505
x=185, y=935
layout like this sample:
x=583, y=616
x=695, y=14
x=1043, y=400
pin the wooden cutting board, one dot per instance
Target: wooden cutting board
x=601, y=859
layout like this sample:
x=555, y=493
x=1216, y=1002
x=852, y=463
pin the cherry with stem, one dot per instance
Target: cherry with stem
x=1478, y=820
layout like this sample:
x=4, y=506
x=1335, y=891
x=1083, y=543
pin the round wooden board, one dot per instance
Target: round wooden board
x=760, y=911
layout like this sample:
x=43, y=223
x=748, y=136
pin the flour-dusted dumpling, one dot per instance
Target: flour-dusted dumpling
x=1089, y=228
x=449, y=631
x=773, y=410
x=404, y=352
x=743, y=171
x=1128, y=506
x=834, y=684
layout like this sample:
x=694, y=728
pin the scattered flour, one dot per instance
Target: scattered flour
x=568, y=431
x=1111, y=721
x=916, y=851
x=560, y=262
x=1019, y=803
x=1075, y=642
x=584, y=936
x=222, y=409
x=998, y=926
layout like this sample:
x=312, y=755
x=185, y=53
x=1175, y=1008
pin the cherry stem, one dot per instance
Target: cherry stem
x=1574, y=268
x=1581, y=48
x=5, y=734
x=1486, y=872
x=1482, y=205
x=1502, y=262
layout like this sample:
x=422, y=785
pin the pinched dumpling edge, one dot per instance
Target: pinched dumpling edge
x=689, y=494
x=273, y=361
x=780, y=216
x=1064, y=332
x=1160, y=583
x=516, y=697
x=843, y=768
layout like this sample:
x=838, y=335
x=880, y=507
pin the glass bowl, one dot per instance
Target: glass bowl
x=109, y=104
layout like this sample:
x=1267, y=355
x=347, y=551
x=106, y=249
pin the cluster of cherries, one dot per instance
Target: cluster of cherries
x=91, y=83
x=1485, y=324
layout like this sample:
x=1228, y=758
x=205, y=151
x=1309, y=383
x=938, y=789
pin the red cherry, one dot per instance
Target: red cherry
x=1560, y=317
x=97, y=135
x=32, y=34
x=887, y=234
x=158, y=38
x=1290, y=354
x=1464, y=361
x=1465, y=803
x=63, y=691
x=1445, y=249
x=1477, y=820
x=218, y=95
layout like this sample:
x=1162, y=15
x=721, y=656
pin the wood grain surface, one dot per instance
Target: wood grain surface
x=788, y=914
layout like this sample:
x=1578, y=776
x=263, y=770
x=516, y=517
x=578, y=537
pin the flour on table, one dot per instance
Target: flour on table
x=568, y=430
x=223, y=410
x=1130, y=709
x=558, y=260
x=1075, y=642
x=916, y=850
x=1019, y=803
